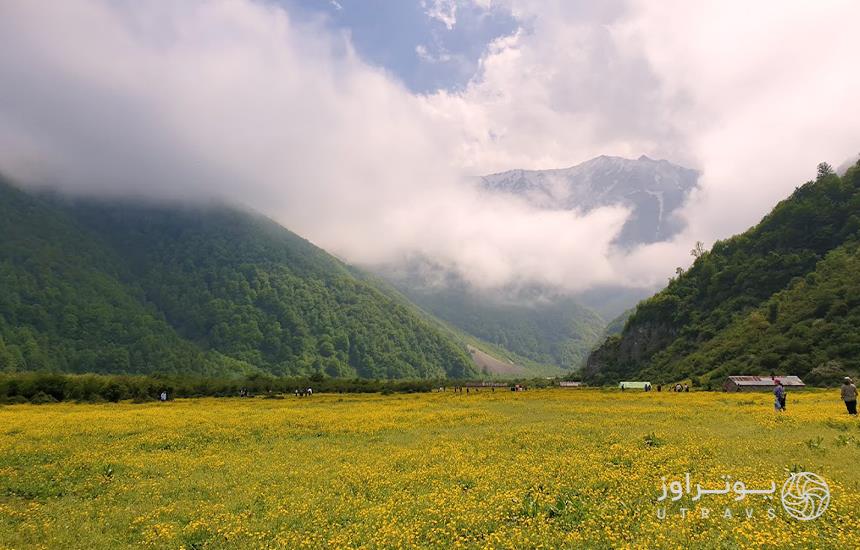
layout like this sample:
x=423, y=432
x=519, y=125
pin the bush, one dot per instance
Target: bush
x=42, y=398
x=14, y=400
x=94, y=388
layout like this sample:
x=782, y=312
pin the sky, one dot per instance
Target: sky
x=362, y=124
x=429, y=45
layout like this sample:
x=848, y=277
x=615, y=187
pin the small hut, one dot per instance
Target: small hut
x=760, y=383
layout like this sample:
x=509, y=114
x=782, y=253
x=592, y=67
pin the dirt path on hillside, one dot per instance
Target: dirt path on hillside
x=493, y=365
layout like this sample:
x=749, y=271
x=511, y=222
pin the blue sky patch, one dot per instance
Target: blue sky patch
x=424, y=52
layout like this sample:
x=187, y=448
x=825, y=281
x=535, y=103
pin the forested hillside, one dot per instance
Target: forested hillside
x=63, y=305
x=782, y=297
x=91, y=286
x=560, y=332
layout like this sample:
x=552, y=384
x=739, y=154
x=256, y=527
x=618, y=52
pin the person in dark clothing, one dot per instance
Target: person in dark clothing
x=779, y=397
x=849, y=396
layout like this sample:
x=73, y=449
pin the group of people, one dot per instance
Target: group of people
x=675, y=388
x=459, y=389
x=848, y=392
x=306, y=392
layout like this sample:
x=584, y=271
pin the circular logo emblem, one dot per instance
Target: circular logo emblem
x=805, y=496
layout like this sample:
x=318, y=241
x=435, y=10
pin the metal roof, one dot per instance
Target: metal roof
x=766, y=380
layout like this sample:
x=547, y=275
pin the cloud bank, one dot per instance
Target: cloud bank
x=234, y=100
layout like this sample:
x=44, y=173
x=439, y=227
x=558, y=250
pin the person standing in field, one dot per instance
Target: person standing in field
x=849, y=395
x=779, y=396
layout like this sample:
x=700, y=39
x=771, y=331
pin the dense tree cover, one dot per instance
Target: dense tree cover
x=63, y=306
x=556, y=332
x=45, y=387
x=693, y=326
x=811, y=329
x=616, y=325
x=107, y=287
x=36, y=387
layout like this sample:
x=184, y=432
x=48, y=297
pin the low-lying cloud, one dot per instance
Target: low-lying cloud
x=233, y=100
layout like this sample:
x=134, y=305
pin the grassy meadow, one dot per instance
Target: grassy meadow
x=537, y=469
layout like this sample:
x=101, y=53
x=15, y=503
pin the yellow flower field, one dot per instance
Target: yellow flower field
x=537, y=469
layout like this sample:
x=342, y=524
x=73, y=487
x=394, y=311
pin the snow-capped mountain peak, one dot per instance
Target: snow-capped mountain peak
x=654, y=189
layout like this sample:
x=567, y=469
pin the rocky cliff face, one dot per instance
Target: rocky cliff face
x=623, y=355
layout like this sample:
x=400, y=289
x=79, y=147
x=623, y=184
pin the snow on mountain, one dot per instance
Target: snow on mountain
x=654, y=189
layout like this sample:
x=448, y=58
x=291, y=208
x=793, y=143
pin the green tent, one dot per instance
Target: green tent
x=633, y=385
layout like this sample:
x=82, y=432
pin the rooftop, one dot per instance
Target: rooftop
x=766, y=380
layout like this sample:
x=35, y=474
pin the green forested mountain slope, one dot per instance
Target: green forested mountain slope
x=89, y=286
x=559, y=333
x=766, y=274
x=811, y=329
x=524, y=366
x=63, y=306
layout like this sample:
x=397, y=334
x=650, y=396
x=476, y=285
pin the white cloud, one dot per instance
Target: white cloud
x=770, y=94
x=424, y=54
x=232, y=100
x=753, y=96
x=444, y=11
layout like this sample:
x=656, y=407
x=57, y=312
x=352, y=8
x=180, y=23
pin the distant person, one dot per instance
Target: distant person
x=686, y=387
x=659, y=387
x=310, y=392
x=779, y=396
x=163, y=396
x=849, y=395
x=678, y=387
x=622, y=387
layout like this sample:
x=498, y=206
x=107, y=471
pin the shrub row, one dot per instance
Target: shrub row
x=40, y=387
